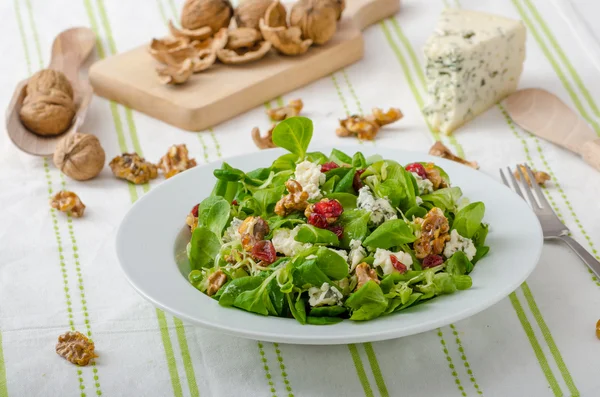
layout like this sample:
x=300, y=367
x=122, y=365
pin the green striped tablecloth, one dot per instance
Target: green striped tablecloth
x=58, y=274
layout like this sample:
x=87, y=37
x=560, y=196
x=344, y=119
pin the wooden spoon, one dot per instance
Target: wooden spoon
x=545, y=115
x=69, y=51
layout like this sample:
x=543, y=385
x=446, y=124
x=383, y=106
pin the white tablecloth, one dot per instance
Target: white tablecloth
x=58, y=274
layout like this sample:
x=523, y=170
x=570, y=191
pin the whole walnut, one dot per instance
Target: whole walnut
x=47, y=81
x=317, y=19
x=215, y=14
x=249, y=12
x=80, y=156
x=47, y=114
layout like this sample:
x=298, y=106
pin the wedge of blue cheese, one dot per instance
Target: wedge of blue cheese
x=474, y=60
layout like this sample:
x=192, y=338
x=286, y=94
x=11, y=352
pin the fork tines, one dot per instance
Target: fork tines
x=534, y=194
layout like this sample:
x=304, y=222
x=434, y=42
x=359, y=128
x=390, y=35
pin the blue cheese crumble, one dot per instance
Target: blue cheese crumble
x=356, y=255
x=425, y=185
x=324, y=296
x=383, y=260
x=459, y=243
x=309, y=175
x=284, y=243
x=380, y=208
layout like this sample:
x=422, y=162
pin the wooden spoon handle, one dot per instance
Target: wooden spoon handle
x=70, y=50
x=364, y=13
x=590, y=152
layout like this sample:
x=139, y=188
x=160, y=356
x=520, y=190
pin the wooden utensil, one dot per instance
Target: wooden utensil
x=69, y=50
x=545, y=115
x=224, y=91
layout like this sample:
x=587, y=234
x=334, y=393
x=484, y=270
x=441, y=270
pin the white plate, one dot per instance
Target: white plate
x=152, y=237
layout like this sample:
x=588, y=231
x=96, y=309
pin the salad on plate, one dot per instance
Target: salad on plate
x=322, y=238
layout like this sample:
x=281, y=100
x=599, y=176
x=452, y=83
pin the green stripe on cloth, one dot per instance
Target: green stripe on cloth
x=170, y=356
x=360, y=370
x=463, y=357
x=265, y=363
x=457, y=381
x=185, y=354
x=3, y=383
x=556, y=67
x=286, y=381
x=561, y=55
x=417, y=66
x=340, y=95
x=549, y=339
x=36, y=39
x=379, y=381
x=537, y=349
x=353, y=92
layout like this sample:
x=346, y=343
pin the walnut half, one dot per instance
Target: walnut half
x=76, y=348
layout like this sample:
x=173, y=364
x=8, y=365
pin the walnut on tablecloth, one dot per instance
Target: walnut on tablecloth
x=440, y=150
x=293, y=108
x=68, y=202
x=133, y=168
x=176, y=160
x=76, y=348
x=263, y=142
x=540, y=177
x=367, y=127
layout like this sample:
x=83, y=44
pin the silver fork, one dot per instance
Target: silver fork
x=552, y=227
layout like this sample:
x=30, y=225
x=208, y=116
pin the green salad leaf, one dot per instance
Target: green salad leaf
x=367, y=303
x=294, y=134
x=204, y=247
x=468, y=220
x=315, y=235
x=213, y=212
x=392, y=233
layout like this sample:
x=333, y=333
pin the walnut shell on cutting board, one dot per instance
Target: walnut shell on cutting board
x=79, y=156
x=47, y=114
x=249, y=12
x=317, y=19
x=215, y=14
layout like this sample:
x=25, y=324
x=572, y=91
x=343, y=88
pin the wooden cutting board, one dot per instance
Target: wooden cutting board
x=224, y=91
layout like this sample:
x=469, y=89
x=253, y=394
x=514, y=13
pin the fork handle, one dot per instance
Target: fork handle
x=582, y=253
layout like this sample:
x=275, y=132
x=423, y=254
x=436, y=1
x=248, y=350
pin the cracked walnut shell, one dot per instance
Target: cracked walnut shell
x=249, y=12
x=199, y=34
x=133, y=168
x=434, y=234
x=317, y=19
x=175, y=161
x=540, y=177
x=440, y=150
x=296, y=200
x=79, y=156
x=69, y=203
x=244, y=55
x=76, y=348
x=242, y=38
x=293, y=108
x=175, y=74
x=215, y=14
x=287, y=41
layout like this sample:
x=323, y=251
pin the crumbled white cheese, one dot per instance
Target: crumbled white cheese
x=474, y=60
x=380, y=208
x=383, y=260
x=419, y=200
x=309, y=175
x=425, y=185
x=459, y=243
x=324, y=296
x=357, y=254
x=284, y=243
x=341, y=253
x=232, y=233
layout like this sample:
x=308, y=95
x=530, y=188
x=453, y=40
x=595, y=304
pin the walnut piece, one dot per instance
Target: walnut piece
x=190, y=34
x=252, y=230
x=317, y=19
x=175, y=161
x=244, y=55
x=364, y=273
x=293, y=108
x=242, y=38
x=68, y=202
x=434, y=176
x=540, y=177
x=215, y=282
x=47, y=114
x=76, y=348
x=80, y=156
x=174, y=75
x=249, y=12
x=434, y=234
x=366, y=128
x=438, y=149
x=133, y=168
x=215, y=14
x=263, y=142
x=296, y=200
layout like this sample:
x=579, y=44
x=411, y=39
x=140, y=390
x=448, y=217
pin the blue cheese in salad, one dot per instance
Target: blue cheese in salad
x=383, y=260
x=380, y=208
x=357, y=254
x=474, y=60
x=459, y=243
x=324, y=296
x=232, y=233
x=309, y=175
x=425, y=185
x=284, y=242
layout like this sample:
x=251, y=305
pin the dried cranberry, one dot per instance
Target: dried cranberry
x=329, y=166
x=317, y=220
x=432, y=261
x=329, y=209
x=195, y=211
x=234, y=202
x=357, y=182
x=264, y=251
x=418, y=169
x=401, y=267
x=337, y=229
